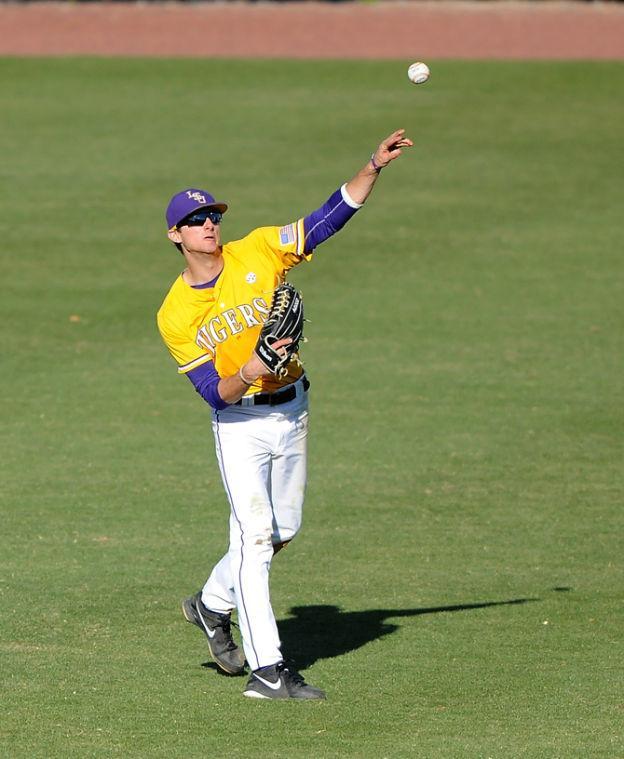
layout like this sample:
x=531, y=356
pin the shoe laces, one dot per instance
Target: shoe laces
x=290, y=674
x=225, y=622
x=226, y=626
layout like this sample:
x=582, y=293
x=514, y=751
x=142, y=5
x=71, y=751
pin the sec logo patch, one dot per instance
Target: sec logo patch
x=250, y=278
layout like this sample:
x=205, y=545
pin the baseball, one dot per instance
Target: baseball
x=418, y=72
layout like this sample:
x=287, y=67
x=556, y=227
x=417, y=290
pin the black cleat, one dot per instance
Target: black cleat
x=216, y=628
x=277, y=681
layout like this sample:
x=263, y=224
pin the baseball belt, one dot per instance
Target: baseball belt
x=288, y=393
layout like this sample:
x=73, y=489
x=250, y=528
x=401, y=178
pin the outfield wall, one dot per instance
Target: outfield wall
x=410, y=30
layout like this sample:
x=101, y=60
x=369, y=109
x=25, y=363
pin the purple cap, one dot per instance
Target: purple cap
x=190, y=200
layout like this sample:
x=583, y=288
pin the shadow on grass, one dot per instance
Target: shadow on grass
x=323, y=632
x=219, y=671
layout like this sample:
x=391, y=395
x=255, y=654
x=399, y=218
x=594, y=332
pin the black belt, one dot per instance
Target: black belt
x=289, y=393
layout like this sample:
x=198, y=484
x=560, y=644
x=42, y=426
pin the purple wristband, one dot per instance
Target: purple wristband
x=377, y=168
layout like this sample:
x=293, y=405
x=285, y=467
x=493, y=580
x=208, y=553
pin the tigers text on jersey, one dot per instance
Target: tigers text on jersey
x=222, y=323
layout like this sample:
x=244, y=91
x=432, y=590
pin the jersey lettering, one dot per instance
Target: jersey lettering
x=230, y=318
x=213, y=325
x=260, y=305
x=248, y=315
x=204, y=340
x=217, y=330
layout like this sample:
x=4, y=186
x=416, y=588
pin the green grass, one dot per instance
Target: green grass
x=457, y=587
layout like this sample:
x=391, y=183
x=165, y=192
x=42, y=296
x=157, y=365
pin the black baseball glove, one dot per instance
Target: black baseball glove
x=285, y=319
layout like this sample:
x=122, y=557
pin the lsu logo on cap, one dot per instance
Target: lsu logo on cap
x=196, y=196
x=287, y=234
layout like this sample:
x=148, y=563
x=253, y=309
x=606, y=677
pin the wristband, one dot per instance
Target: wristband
x=240, y=374
x=377, y=168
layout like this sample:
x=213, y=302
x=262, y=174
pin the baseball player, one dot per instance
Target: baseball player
x=210, y=320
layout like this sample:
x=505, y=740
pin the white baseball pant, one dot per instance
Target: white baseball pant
x=262, y=456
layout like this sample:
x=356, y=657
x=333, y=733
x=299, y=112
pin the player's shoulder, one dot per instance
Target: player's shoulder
x=269, y=239
x=256, y=236
x=174, y=291
x=253, y=245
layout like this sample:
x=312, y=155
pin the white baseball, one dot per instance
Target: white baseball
x=418, y=72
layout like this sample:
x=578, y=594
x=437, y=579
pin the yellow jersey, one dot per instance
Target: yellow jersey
x=221, y=323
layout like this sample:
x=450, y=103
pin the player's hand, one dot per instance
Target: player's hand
x=254, y=368
x=390, y=148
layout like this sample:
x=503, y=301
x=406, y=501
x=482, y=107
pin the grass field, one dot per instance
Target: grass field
x=457, y=587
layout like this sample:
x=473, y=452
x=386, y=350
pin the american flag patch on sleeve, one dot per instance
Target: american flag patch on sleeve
x=288, y=234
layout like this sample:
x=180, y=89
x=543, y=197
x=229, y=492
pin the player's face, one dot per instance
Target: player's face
x=201, y=231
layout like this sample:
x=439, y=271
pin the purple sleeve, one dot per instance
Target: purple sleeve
x=205, y=379
x=328, y=219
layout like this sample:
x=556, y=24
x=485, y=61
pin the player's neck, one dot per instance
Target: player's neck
x=202, y=268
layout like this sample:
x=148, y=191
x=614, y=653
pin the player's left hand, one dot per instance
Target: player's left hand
x=284, y=320
x=390, y=148
x=256, y=368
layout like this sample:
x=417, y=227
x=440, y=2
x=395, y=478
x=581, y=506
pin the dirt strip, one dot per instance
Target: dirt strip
x=387, y=29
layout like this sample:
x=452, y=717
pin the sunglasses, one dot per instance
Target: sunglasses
x=198, y=219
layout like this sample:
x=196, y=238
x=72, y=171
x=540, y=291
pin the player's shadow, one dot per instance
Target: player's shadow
x=323, y=632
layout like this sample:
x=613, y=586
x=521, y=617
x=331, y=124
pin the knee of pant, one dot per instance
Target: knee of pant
x=286, y=532
x=258, y=539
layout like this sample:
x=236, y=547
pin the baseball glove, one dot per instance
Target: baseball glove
x=285, y=319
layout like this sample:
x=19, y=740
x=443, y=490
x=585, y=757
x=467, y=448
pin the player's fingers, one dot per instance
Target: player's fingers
x=394, y=151
x=281, y=343
x=394, y=137
x=404, y=142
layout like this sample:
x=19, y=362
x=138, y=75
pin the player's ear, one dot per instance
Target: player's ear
x=174, y=235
